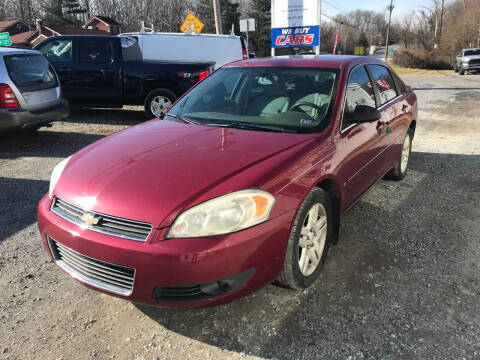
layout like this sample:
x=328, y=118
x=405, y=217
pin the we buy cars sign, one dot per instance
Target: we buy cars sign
x=295, y=23
x=296, y=36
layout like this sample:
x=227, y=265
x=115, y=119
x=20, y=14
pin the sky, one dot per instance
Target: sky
x=401, y=6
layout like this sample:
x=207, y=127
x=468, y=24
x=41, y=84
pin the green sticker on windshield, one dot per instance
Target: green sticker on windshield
x=388, y=130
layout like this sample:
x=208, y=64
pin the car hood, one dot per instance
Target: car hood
x=154, y=170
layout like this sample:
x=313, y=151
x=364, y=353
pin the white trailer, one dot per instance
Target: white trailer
x=179, y=47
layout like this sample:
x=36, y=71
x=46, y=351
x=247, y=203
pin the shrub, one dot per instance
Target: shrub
x=419, y=60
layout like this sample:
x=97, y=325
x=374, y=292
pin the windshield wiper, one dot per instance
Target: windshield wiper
x=245, y=126
x=184, y=119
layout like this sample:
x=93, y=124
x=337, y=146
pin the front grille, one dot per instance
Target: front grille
x=474, y=61
x=179, y=293
x=106, y=224
x=115, y=278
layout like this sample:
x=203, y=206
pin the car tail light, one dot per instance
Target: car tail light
x=203, y=75
x=7, y=97
x=244, y=53
x=61, y=92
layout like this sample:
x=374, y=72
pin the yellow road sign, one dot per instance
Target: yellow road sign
x=190, y=20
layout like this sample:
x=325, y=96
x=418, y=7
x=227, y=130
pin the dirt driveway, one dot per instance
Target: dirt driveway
x=403, y=283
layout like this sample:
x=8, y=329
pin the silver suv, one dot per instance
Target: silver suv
x=30, y=94
x=467, y=60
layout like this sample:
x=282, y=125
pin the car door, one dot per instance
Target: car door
x=395, y=111
x=360, y=143
x=60, y=53
x=97, y=74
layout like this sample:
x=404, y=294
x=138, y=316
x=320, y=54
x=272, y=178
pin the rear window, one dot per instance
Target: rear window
x=30, y=72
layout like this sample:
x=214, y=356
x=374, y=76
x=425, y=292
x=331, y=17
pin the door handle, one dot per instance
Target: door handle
x=64, y=69
x=381, y=125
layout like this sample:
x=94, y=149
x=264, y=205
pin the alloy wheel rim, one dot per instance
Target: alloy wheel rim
x=405, y=154
x=159, y=105
x=313, y=237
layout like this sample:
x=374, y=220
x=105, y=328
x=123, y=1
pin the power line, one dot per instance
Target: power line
x=342, y=22
x=336, y=7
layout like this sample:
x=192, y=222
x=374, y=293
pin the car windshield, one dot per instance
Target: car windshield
x=285, y=99
x=472, y=52
x=30, y=71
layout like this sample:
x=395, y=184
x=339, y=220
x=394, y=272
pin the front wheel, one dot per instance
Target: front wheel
x=158, y=102
x=400, y=170
x=309, y=241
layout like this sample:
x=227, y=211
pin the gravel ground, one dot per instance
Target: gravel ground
x=403, y=283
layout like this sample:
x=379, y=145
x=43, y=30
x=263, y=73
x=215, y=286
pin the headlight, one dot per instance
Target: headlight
x=56, y=173
x=224, y=214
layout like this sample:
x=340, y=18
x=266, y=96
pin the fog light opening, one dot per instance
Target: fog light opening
x=217, y=287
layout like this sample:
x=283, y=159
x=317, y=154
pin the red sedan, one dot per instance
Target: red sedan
x=242, y=183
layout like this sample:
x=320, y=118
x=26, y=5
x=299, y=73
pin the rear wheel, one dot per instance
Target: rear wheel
x=158, y=102
x=36, y=127
x=400, y=170
x=309, y=241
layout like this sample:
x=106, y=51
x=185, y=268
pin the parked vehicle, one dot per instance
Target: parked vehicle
x=94, y=73
x=467, y=60
x=30, y=94
x=198, y=48
x=242, y=183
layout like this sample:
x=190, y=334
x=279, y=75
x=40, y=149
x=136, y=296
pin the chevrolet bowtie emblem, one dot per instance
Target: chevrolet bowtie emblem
x=90, y=219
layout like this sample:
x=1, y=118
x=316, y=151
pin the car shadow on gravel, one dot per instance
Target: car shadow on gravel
x=392, y=288
x=19, y=199
x=107, y=116
x=44, y=143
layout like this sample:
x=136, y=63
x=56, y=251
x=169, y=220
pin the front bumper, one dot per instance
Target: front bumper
x=247, y=260
x=18, y=118
x=468, y=67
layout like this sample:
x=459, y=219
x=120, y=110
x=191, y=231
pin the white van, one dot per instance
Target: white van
x=174, y=47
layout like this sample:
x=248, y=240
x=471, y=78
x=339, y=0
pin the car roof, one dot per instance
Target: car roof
x=180, y=34
x=12, y=51
x=327, y=61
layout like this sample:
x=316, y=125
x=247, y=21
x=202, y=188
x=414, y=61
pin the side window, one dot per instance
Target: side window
x=401, y=89
x=384, y=81
x=96, y=51
x=57, y=51
x=359, y=92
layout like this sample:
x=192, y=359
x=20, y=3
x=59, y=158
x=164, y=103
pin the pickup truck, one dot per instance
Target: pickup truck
x=96, y=71
x=467, y=60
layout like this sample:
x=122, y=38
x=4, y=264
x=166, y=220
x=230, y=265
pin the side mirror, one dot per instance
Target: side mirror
x=364, y=114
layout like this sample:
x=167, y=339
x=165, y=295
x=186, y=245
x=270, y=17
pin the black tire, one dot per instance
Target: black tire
x=165, y=93
x=291, y=276
x=461, y=71
x=396, y=173
x=32, y=128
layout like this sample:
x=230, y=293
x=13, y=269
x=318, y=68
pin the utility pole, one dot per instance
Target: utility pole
x=390, y=9
x=218, y=16
x=442, y=13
